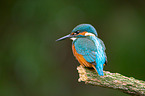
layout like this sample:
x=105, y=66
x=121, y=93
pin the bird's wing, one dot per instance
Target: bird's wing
x=104, y=48
x=87, y=49
x=92, y=51
x=102, y=43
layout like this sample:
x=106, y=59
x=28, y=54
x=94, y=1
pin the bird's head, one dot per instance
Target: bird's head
x=81, y=31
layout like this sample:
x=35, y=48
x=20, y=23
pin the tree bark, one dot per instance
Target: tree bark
x=128, y=85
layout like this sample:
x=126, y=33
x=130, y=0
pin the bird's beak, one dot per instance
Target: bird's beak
x=62, y=38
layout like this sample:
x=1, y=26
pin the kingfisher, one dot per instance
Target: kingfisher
x=88, y=49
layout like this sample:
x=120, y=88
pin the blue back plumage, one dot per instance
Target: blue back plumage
x=85, y=27
x=86, y=49
x=93, y=50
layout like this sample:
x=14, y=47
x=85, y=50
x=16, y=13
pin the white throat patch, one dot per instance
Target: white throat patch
x=73, y=38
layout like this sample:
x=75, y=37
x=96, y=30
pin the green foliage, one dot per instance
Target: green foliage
x=33, y=64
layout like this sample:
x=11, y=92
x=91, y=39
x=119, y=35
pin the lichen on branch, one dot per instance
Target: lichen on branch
x=128, y=85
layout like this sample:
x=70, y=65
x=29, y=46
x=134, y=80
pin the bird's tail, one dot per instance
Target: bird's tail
x=99, y=69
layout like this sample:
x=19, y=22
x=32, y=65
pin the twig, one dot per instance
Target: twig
x=128, y=85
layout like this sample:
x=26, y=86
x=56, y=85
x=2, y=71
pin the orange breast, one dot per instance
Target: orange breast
x=80, y=58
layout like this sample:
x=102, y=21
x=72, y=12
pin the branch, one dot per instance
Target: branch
x=128, y=85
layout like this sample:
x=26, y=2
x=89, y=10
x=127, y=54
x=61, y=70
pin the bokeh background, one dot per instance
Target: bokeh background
x=33, y=64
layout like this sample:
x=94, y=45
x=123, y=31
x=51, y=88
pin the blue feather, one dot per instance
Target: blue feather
x=85, y=27
x=93, y=50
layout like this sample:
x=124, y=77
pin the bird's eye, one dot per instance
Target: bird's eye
x=77, y=32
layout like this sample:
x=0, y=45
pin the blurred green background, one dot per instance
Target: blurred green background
x=33, y=64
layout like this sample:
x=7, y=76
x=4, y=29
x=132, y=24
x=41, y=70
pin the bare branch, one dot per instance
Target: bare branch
x=128, y=85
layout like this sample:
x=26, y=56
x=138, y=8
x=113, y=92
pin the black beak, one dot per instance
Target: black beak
x=62, y=38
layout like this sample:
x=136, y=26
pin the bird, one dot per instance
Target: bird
x=88, y=49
